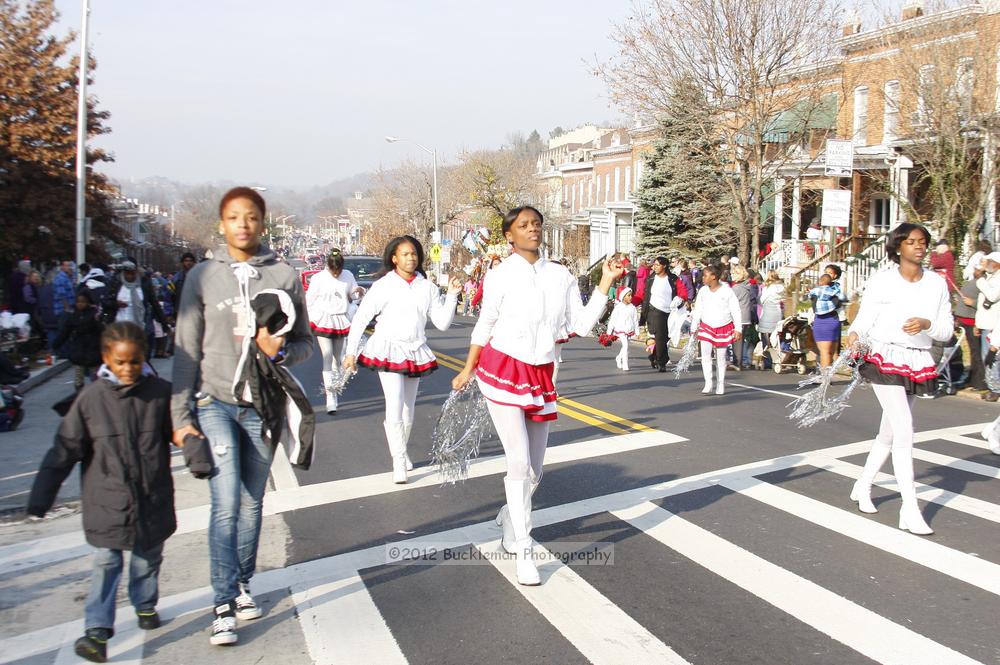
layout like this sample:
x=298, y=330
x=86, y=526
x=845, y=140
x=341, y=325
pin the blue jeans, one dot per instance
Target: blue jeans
x=242, y=463
x=143, y=589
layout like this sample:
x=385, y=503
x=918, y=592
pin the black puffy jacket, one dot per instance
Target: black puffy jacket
x=121, y=436
x=83, y=332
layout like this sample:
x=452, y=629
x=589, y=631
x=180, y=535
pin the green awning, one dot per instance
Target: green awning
x=803, y=116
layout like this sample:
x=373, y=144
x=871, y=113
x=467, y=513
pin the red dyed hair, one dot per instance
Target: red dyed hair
x=243, y=193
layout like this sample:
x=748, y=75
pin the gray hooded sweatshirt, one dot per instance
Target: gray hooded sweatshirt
x=212, y=321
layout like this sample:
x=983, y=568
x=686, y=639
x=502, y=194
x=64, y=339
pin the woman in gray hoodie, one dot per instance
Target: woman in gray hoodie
x=213, y=321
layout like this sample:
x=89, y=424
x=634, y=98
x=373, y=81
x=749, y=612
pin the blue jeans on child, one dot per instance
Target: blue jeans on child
x=242, y=463
x=143, y=588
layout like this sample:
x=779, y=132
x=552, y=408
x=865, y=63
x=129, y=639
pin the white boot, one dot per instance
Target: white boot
x=519, y=513
x=329, y=378
x=624, y=357
x=706, y=367
x=503, y=521
x=910, y=518
x=720, y=368
x=407, y=428
x=397, y=450
x=862, y=493
x=992, y=434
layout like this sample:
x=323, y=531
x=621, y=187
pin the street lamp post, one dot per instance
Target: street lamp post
x=434, y=189
x=81, y=143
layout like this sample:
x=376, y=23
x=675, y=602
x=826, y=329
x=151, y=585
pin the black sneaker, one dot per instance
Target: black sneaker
x=148, y=619
x=93, y=646
x=224, y=626
x=246, y=608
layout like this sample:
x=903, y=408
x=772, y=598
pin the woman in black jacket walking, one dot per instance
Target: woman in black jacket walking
x=119, y=430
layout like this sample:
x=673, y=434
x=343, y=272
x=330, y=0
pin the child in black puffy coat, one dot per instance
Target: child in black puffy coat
x=82, y=334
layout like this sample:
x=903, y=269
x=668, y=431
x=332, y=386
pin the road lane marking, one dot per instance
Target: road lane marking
x=765, y=390
x=30, y=554
x=965, y=504
x=281, y=470
x=594, y=625
x=341, y=622
x=935, y=556
x=857, y=627
x=955, y=463
x=564, y=405
x=341, y=566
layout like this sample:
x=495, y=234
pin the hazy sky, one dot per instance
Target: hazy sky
x=301, y=92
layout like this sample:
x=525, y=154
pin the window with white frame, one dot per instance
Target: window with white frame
x=861, y=115
x=890, y=112
x=628, y=180
x=618, y=178
x=878, y=217
x=607, y=186
x=963, y=87
x=925, y=94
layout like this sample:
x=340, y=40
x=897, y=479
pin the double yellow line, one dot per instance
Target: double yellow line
x=608, y=422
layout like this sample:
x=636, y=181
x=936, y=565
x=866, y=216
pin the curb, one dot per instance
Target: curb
x=40, y=377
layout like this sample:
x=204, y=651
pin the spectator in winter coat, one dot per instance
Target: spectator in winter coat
x=81, y=335
x=943, y=263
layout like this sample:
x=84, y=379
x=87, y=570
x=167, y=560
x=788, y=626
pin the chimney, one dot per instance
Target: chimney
x=852, y=22
x=912, y=9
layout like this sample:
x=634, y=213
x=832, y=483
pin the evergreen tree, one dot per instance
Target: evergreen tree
x=682, y=201
x=38, y=98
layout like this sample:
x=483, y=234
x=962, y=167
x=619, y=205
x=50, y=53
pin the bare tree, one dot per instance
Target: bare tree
x=941, y=111
x=765, y=66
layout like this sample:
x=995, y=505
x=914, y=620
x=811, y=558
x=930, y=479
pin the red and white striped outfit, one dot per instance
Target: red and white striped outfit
x=399, y=343
x=527, y=308
x=328, y=302
x=716, y=316
x=897, y=358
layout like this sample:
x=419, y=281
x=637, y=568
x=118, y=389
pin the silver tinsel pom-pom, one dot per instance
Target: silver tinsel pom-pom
x=343, y=378
x=818, y=404
x=687, y=358
x=463, y=424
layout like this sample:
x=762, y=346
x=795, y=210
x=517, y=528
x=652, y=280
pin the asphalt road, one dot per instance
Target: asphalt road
x=732, y=536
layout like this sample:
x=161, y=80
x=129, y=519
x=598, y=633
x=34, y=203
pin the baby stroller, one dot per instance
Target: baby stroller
x=794, y=341
x=949, y=363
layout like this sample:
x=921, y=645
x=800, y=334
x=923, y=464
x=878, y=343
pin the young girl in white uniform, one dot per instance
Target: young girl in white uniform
x=329, y=303
x=402, y=300
x=716, y=323
x=528, y=303
x=903, y=310
x=623, y=324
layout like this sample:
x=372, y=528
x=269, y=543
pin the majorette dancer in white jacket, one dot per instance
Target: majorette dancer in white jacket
x=528, y=302
x=329, y=302
x=904, y=309
x=402, y=300
x=623, y=324
x=715, y=323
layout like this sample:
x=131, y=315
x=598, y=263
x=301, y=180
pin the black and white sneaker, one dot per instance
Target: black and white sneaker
x=246, y=608
x=224, y=626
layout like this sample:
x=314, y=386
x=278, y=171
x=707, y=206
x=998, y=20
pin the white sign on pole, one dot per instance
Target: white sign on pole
x=445, y=254
x=837, y=207
x=839, y=158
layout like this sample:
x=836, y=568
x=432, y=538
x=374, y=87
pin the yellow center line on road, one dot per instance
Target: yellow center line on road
x=613, y=425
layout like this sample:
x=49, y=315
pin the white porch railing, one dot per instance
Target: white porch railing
x=790, y=254
x=858, y=268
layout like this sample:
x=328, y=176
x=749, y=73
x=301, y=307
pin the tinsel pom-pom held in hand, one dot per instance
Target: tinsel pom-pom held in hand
x=687, y=358
x=463, y=424
x=818, y=404
x=343, y=378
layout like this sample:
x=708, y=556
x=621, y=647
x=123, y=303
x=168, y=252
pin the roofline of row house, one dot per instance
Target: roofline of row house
x=872, y=37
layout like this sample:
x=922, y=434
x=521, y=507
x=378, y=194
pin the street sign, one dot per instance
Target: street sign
x=445, y=254
x=435, y=253
x=839, y=158
x=837, y=207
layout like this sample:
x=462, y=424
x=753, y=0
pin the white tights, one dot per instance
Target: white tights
x=622, y=358
x=400, y=396
x=332, y=350
x=523, y=441
x=707, y=349
x=895, y=437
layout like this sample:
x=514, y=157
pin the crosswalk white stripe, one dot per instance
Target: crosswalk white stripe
x=955, y=463
x=966, y=504
x=341, y=622
x=945, y=560
x=857, y=627
x=972, y=441
x=281, y=471
x=595, y=626
x=44, y=551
